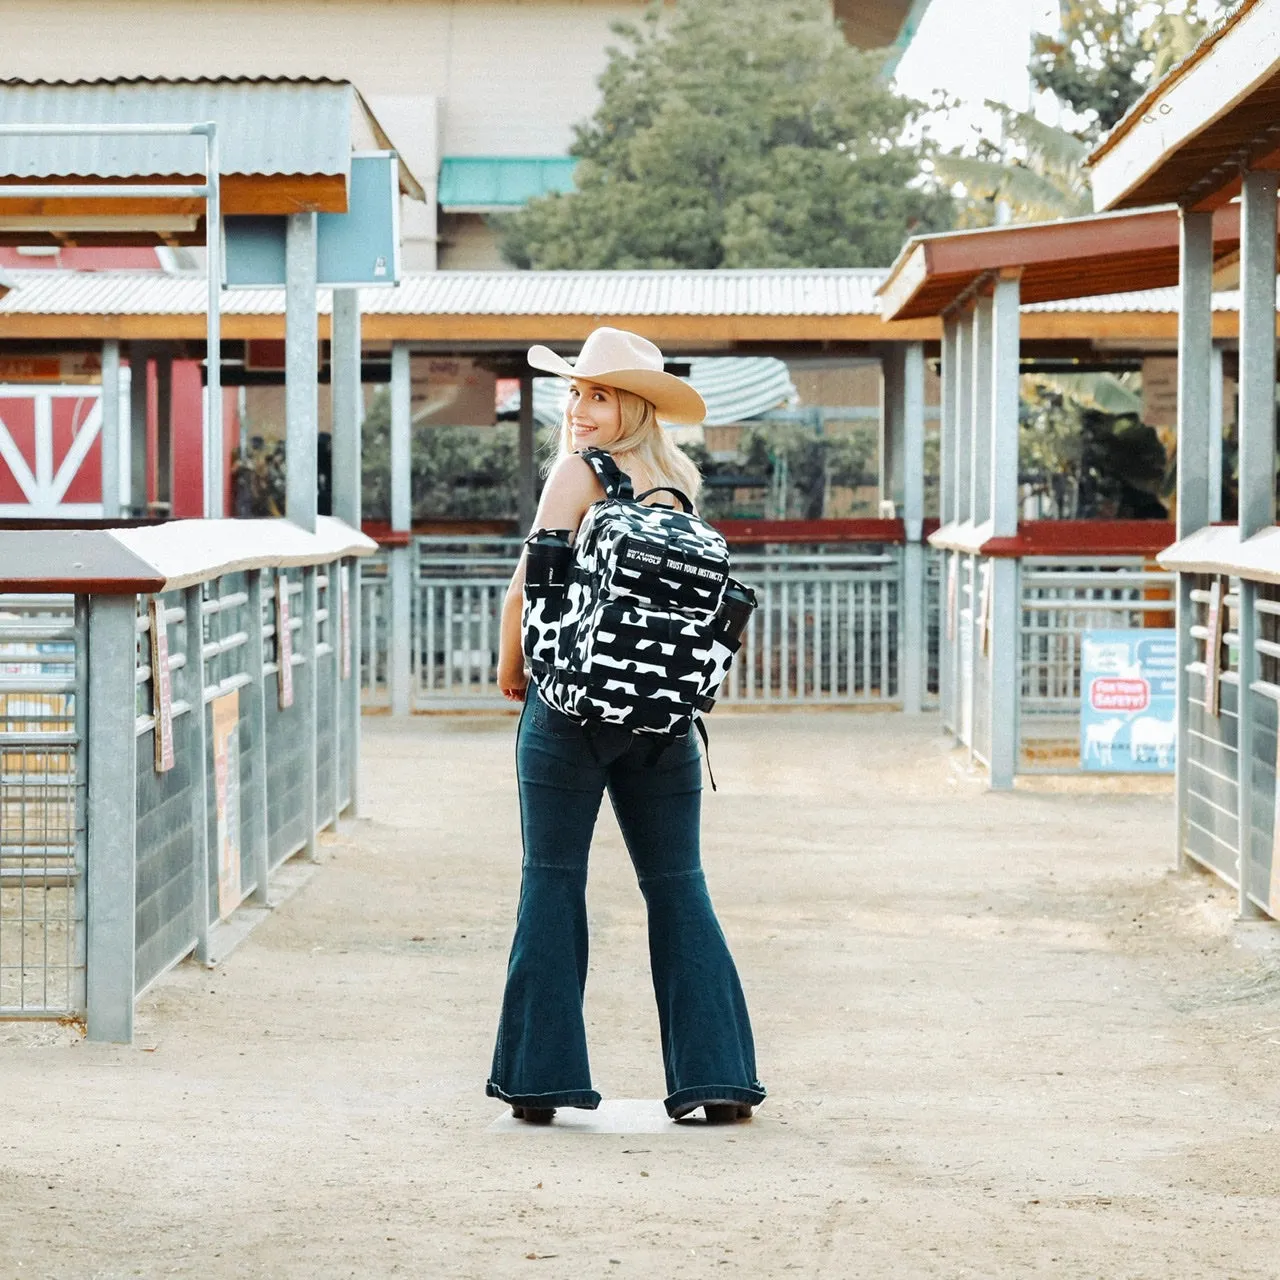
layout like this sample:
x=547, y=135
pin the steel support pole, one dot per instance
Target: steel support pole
x=963, y=508
x=947, y=647
x=401, y=556
x=215, y=482
x=528, y=462
x=302, y=337
x=110, y=430
x=139, y=358
x=111, y=819
x=1257, y=463
x=193, y=682
x=310, y=706
x=1217, y=426
x=348, y=454
x=892, y=445
x=1195, y=472
x=164, y=430
x=1002, y=510
x=981, y=425
x=255, y=694
x=915, y=647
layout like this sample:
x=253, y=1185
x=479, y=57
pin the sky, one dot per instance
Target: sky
x=974, y=50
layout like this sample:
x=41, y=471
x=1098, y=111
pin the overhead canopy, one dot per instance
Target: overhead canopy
x=1071, y=258
x=1217, y=112
x=880, y=24
x=485, y=184
x=284, y=146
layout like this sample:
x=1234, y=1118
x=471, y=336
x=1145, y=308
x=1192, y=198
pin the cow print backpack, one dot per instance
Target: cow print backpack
x=637, y=624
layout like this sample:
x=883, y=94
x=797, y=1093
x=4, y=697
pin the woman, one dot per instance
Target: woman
x=617, y=392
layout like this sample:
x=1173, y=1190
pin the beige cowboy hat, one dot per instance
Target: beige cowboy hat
x=616, y=358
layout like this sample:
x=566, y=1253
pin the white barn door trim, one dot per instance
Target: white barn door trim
x=45, y=486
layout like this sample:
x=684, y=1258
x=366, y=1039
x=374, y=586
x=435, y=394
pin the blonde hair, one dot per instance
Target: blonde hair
x=643, y=439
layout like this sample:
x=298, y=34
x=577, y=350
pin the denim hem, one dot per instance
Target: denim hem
x=683, y=1101
x=583, y=1099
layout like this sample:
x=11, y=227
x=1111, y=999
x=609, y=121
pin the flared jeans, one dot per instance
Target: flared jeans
x=541, y=1055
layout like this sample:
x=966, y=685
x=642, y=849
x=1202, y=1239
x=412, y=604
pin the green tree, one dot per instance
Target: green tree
x=1109, y=51
x=737, y=133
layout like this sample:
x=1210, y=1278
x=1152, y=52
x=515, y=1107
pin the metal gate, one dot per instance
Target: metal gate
x=42, y=851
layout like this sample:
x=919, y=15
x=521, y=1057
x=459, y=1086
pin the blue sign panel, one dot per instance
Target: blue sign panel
x=359, y=248
x=1128, y=706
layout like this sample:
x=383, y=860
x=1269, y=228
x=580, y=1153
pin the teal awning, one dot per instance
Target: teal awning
x=476, y=184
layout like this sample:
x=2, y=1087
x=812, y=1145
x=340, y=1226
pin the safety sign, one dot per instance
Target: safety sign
x=1128, y=719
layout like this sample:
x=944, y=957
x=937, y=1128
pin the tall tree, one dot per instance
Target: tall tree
x=1108, y=51
x=737, y=133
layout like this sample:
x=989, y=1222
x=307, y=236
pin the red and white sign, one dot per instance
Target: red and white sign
x=1119, y=693
x=161, y=686
x=284, y=643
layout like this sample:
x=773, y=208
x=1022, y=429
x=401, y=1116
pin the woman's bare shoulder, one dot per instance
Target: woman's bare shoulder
x=570, y=489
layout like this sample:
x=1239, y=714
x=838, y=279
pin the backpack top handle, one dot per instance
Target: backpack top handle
x=616, y=483
x=678, y=494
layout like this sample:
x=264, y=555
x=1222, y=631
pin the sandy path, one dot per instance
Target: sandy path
x=1000, y=1039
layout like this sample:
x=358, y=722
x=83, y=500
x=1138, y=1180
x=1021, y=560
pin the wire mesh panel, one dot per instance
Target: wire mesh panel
x=933, y=625
x=1263, y=869
x=1212, y=802
x=372, y=646
x=287, y=762
x=1062, y=598
x=41, y=807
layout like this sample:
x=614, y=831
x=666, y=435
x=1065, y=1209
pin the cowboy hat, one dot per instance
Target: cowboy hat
x=616, y=358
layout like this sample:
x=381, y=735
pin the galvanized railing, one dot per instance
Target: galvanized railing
x=161, y=756
x=827, y=629
x=1211, y=800
x=1062, y=598
x=42, y=771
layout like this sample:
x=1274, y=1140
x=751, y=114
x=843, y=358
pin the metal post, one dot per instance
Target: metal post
x=348, y=419
x=215, y=484
x=1002, y=507
x=914, y=647
x=138, y=360
x=947, y=647
x=963, y=509
x=193, y=599
x=1195, y=471
x=302, y=337
x=111, y=818
x=892, y=445
x=255, y=695
x=1257, y=460
x=528, y=497
x=980, y=421
x=1217, y=424
x=164, y=431
x=400, y=567
x=310, y=706
x=109, y=435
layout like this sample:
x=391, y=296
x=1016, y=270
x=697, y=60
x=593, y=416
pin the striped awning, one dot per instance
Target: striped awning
x=735, y=389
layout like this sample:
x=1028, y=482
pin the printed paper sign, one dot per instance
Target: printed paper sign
x=226, y=776
x=1128, y=712
x=284, y=644
x=1213, y=649
x=344, y=580
x=161, y=686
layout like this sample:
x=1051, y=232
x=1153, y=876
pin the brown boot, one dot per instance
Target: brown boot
x=726, y=1112
x=534, y=1115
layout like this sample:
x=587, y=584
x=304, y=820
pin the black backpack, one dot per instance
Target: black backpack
x=637, y=623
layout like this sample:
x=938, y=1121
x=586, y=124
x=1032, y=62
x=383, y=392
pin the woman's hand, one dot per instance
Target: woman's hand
x=513, y=679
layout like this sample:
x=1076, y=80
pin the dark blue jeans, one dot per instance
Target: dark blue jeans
x=541, y=1056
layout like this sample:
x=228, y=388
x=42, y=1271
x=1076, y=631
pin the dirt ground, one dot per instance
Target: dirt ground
x=1001, y=1038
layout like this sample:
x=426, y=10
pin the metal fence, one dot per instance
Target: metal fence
x=42, y=850
x=1062, y=598
x=828, y=629
x=102, y=893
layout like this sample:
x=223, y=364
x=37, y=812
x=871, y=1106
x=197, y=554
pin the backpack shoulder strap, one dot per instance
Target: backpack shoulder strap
x=616, y=484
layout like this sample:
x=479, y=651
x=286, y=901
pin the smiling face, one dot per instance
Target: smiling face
x=594, y=414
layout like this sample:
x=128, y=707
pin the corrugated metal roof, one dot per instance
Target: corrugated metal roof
x=533, y=293
x=265, y=127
